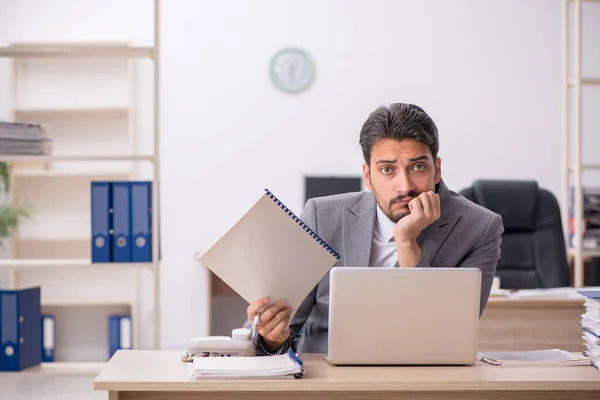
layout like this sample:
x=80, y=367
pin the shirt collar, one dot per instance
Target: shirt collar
x=385, y=225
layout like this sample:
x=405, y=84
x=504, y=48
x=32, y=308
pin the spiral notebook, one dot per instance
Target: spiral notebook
x=270, y=252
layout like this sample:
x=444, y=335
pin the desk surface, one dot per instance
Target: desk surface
x=149, y=370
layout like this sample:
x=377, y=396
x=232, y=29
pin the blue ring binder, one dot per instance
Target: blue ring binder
x=302, y=224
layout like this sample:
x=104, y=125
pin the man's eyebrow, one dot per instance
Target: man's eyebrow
x=385, y=162
x=420, y=158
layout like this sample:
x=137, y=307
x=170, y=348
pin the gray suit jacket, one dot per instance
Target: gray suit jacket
x=465, y=235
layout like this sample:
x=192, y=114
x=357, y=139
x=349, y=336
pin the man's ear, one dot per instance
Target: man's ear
x=438, y=170
x=366, y=176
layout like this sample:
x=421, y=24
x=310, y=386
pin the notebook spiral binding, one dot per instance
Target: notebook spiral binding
x=302, y=224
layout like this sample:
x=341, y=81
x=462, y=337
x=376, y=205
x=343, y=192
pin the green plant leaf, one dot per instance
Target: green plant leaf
x=11, y=217
x=4, y=176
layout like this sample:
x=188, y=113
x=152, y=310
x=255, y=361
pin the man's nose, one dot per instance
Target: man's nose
x=403, y=184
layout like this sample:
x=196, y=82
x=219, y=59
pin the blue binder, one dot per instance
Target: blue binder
x=100, y=210
x=141, y=221
x=20, y=329
x=121, y=221
x=48, y=334
x=119, y=334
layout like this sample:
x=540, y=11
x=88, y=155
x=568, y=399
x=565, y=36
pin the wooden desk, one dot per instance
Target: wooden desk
x=531, y=324
x=154, y=375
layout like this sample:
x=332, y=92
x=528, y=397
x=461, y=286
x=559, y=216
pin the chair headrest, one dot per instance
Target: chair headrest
x=515, y=201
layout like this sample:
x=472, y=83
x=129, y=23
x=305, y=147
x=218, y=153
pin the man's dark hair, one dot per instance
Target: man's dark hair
x=398, y=121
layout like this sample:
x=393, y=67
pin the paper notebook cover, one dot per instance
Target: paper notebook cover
x=285, y=365
x=537, y=358
x=269, y=252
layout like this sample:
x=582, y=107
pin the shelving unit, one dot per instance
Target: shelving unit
x=85, y=92
x=572, y=84
x=66, y=368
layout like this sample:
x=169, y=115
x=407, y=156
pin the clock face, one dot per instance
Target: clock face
x=292, y=70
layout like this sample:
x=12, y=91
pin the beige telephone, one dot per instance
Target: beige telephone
x=238, y=345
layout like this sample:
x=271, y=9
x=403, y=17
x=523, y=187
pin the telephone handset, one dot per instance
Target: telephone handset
x=238, y=345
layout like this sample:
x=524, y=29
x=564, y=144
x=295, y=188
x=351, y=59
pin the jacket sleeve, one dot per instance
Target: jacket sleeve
x=309, y=217
x=485, y=256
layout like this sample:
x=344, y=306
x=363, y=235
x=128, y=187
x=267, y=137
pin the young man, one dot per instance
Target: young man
x=408, y=219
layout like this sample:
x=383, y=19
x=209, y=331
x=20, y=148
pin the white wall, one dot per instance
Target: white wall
x=487, y=72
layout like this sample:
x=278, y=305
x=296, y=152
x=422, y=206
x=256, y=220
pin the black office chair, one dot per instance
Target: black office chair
x=533, y=246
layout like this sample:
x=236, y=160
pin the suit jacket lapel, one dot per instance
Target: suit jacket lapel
x=357, y=231
x=431, y=238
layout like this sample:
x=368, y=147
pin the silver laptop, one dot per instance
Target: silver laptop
x=403, y=316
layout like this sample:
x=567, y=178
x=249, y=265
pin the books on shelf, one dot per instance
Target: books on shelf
x=591, y=219
x=19, y=138
x=119, y=334
x=20, y=328
x=48, y=334
x=590, y=325
x=121, y=221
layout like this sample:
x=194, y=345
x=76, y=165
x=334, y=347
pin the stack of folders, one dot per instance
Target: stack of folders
x=20, y=329
x=281, y=366
x=48, y=333
x=590, y=324
x=19, y=138
x=591, y=218
x=121, y=221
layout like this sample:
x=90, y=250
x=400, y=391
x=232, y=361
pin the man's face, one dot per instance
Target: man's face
x=398, y=172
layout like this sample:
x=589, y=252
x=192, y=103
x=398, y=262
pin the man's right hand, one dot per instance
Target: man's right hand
x=273, y=324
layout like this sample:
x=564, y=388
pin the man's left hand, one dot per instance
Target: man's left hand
x=424, y=210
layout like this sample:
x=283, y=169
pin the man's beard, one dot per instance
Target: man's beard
x=395, y=217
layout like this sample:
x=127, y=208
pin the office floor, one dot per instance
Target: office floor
x=48, y=387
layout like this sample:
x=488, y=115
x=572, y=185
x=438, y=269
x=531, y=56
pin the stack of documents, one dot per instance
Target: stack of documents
x=19, y=138
x=590, y=323
x=559, y=293
x=534, y=358
x=282, y=366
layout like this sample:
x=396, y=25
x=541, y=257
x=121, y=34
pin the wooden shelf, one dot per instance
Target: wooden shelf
x=52, y=238
x=585, y=253
x=586, y=167
x=587, y=81
x=67, y=368
x=68, y=263
x=75, y=110
x=74, y=302
x=76, y=51
x=73, y=157
x=57, y=173
x=93, y=122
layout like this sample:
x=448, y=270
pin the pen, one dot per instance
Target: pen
x=254, y=334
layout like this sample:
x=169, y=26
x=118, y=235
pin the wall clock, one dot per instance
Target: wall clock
x=292, y=70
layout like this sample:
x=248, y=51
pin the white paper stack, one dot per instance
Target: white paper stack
x=590, y=324
x=534, y=358
x=282, y=366
x=19, y=138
